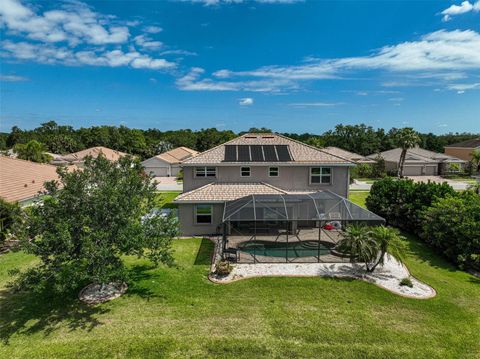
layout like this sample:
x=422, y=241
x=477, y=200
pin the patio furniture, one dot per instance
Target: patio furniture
x=231, y=254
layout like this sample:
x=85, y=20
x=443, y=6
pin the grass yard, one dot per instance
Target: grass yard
x=358, y=197
x=178, y=312
x=165, y=199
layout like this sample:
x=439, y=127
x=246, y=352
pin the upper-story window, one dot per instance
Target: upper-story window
x=320, y=175
x=273, y=172
x=205, y=172
x=245, y=171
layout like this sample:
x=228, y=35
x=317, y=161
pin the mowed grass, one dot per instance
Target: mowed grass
x=165, y=199
x=177, y=312
x=358, y=197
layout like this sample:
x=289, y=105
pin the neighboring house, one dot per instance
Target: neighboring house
x=463, y=150
x=78, y=158
x=354, y=157
x=21, y=181
x=254, y=164
x=168, y=163
x=419, y=162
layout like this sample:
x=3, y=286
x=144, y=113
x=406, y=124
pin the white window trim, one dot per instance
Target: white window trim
x=195, y=214
x=278, y=172
x=249, y=171
x=205, y=171
x=320, y=176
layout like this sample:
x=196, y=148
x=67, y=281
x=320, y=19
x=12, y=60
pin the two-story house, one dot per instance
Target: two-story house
x=254, y=164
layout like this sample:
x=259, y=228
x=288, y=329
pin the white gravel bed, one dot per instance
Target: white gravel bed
x=387, y=276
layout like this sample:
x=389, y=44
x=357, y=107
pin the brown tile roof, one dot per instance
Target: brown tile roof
x=301, y=153
x=177, y=155
x=22, y=180
x=416, y=155
x=473, y=143
x=221, y=192
x=79, y=156
x=355, y=157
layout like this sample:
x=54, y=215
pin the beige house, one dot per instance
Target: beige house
x=167, y=164
x=419, y=162
x=21, y=181
x=255, y=165
x=463, y=150
x=78, y=158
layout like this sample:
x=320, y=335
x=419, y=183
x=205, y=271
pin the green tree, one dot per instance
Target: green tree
x=11, y=220
x=358, y=243
x=32, y=151
x=89, y=219
x=405, y=138
x=475, y=161
x=387, y=239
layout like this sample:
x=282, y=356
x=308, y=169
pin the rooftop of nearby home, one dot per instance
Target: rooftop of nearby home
x=177, y=155
x=473, y=143
x=112, y=155
x=266, y=149
x=22, y=180
x=355, y=157
x=416, y=155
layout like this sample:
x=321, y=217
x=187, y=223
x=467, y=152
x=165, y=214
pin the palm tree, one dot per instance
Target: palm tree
x=405, y=138
x=475, y=160
x=359, y=244
x=388, y=239
x=32, y=151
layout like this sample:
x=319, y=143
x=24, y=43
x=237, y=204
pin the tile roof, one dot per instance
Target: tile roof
x=177, y=155
x=79, y=156
x=301, y=153
x=221, y=192
x=416, y=155
x=355, y=157
x=473, y=143
x=22, y=180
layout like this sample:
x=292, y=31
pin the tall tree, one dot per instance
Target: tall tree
x=89, y=219
x=32, y=151
x=475, y=161
x=405, y=138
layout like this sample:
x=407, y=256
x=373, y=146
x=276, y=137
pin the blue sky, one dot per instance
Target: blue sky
x=293, y=66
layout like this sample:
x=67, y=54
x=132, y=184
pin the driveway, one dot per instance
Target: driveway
x=168, y=184
x=457, y=185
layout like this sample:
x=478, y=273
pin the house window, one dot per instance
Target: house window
x=320, y=175
x=273, y=172
x=203, y=213
x=205, y=172
x=245, y=171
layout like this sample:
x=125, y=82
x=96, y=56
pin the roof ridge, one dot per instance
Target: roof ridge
x=274, y=187
x=213, y=148
x=181, y=195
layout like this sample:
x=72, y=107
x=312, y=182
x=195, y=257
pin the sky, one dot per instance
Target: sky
x=288, y=65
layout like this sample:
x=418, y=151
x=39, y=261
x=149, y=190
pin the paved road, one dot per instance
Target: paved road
x=168, y=184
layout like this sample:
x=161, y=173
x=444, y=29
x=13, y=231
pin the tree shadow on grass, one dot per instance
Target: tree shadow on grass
x=29, y=313
x=204, y=253
x=139, y=275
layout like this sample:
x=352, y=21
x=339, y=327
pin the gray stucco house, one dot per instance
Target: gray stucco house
x=167, y=164
x=255, y=165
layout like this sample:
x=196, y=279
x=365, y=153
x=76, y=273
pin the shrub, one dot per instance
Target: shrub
x=452, y=226
x=400, y=202
x=223, y=268
x=406, y=282
x=11, y=220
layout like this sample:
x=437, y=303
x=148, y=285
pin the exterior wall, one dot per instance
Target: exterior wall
x=174, y=170
x=188, y=227
x=156, y=166
x=291, y=178
x=460, y=152
x=414, y=169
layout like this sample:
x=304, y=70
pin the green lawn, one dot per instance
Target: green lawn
x=165, y=199
x=178, y=312
x=358, y=197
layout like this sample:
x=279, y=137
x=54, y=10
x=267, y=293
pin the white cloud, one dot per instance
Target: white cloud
x=178, y=52
x=75, y=35
x=461, y=88
x=247, y=101
x=13, y=78
x=153, y=29
x=441, y=53
x=463, y=8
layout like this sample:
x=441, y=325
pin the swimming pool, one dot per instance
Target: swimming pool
x=282, y=249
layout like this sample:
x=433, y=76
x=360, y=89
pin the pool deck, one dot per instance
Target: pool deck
x=303, y=235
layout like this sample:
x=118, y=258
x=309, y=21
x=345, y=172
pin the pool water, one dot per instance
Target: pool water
x=282, y=249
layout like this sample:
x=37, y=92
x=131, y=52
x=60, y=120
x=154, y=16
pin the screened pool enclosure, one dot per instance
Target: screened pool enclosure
x=304, y=227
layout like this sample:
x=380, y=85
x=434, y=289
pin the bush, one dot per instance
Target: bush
x=406, y=282
x=223, y=268
x=452, y=226
x=400, y=202
x=11, y=220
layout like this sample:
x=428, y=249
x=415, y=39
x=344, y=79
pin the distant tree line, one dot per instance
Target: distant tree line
x=62, y=139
